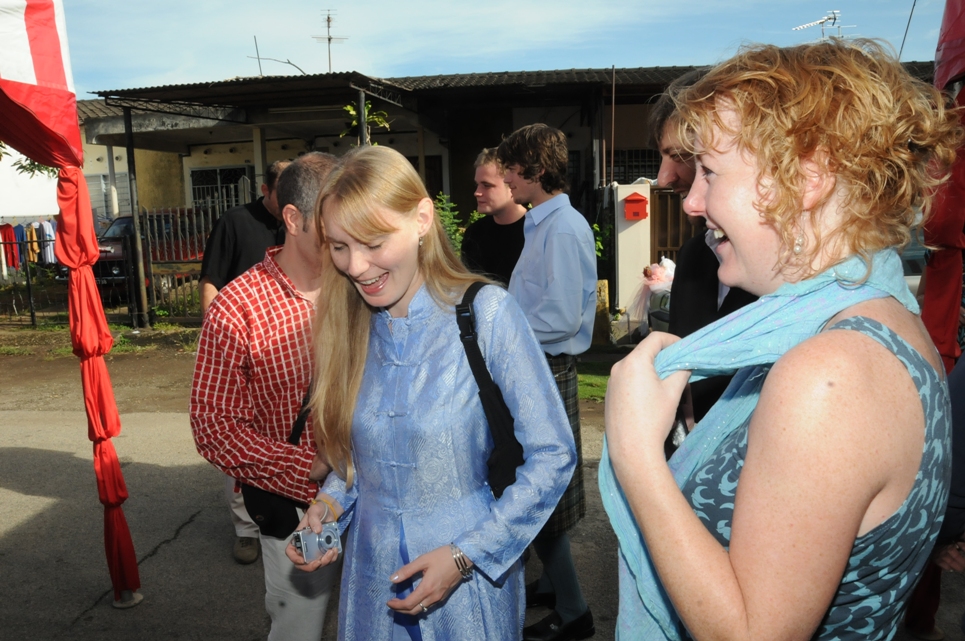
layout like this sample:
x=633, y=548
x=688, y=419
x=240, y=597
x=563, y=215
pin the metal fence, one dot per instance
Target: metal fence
x=33, y=290
x=173, y=246
x=30, y=291
x=670, y=227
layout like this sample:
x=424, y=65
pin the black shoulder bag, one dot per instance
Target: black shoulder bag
x=507, y=453
x=276, y=515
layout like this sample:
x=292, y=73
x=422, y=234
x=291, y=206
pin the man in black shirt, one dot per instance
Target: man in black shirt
x=240, y=237
x=492, y=245
x=238, y=242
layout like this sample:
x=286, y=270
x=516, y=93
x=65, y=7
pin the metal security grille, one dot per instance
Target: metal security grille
x=631, y=164
x=99, y=186
x=222, y=187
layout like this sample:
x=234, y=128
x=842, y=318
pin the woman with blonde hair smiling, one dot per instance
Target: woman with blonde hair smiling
x=806, y=502
x=431, y=553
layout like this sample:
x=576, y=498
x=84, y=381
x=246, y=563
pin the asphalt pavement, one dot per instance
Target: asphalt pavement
x=53, y=576
x=54, y=582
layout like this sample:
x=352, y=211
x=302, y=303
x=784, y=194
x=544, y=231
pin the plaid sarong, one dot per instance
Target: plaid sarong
x=572, y=506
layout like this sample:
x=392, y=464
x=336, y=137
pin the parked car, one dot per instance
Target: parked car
x=110, y=270
x=113, y=267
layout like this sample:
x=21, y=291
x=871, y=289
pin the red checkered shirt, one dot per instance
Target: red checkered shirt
x=254, y=366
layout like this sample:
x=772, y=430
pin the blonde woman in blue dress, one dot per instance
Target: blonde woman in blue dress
x=430, y=553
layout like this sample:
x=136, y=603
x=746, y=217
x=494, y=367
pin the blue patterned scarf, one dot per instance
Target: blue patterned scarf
x=748, y=342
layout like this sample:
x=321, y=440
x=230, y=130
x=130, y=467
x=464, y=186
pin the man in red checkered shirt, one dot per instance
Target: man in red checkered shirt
x=254, y=369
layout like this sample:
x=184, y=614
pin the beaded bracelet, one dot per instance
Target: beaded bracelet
x=462, y=563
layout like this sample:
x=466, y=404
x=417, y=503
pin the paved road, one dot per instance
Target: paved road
x=54, y=578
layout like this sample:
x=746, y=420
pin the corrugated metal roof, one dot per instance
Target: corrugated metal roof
x=256, y=91
x=96, y=108
x=293, y=91
x=626, y=76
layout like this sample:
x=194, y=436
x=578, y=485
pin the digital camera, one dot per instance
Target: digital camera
x=313, y=545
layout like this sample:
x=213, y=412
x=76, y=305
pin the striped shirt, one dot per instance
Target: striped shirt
x=253, y=369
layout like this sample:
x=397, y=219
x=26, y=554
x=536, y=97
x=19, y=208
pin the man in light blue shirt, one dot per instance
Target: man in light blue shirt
x=554, y=283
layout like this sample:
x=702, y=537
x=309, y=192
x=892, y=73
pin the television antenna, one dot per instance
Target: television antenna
x=328, y=37
x=260, y=57
x=833, y=19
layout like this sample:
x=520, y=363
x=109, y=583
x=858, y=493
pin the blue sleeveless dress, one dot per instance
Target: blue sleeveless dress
x=885, y=562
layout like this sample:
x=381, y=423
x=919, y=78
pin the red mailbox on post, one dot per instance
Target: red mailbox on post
x=635, y=207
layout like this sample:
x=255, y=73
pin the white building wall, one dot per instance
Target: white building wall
x=25, y=196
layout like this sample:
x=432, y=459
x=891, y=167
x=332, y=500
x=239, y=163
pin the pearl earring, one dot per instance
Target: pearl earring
x=421, y=240
x=798, y=245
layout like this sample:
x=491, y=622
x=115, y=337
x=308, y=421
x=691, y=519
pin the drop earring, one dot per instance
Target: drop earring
x=798, y=245
x=421, y=240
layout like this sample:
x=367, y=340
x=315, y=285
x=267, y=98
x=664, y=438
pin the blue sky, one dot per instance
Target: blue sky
x=137, y=43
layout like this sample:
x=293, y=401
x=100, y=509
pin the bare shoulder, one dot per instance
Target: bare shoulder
x=840, y=394
x=841, y=361
x=832, y=374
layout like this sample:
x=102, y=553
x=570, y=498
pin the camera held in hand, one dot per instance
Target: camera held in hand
x=311, y=545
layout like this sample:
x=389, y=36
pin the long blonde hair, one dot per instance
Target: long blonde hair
x=366, y=179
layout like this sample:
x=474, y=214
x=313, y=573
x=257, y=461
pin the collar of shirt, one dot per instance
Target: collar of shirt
x=541, y=212
x=276, y=272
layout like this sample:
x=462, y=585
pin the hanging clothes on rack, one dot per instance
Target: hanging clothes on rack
x=11, y=251
x=33, y=247
x=20, y=233
x=46, y=233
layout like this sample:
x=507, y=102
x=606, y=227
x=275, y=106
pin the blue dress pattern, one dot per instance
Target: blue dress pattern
x=420, y=443
x=886, y=561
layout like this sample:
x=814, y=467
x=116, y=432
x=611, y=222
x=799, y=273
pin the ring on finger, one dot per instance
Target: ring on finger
x=424, y=608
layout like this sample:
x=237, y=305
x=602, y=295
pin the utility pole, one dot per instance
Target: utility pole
x=329, y=38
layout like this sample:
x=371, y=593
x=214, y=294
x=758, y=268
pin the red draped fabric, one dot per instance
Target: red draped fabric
x=38, y=118
x=944, y=231
x=950, y=53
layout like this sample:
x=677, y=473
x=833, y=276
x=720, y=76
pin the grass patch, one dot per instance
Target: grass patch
x=45, y=327
x=9, y=350
x=593, y=377
x=124, y=345
x=59, y=352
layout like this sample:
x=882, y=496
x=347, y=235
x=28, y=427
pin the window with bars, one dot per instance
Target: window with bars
x=225, y=186
x=630, y=164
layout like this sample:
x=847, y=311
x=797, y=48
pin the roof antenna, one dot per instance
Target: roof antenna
x=258, y=55
x=329, y=37
x=832, y=19
x=284, y=62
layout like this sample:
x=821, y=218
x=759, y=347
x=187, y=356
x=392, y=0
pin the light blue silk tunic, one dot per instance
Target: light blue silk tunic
x=420, y=443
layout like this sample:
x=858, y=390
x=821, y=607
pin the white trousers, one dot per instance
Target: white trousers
x=244, y=526
x=295, y=600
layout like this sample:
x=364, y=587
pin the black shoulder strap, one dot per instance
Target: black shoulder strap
x=299, y=426
x=507, y=454
x=467, y=333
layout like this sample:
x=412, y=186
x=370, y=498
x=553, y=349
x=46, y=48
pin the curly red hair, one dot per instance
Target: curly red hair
x=887, y=138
